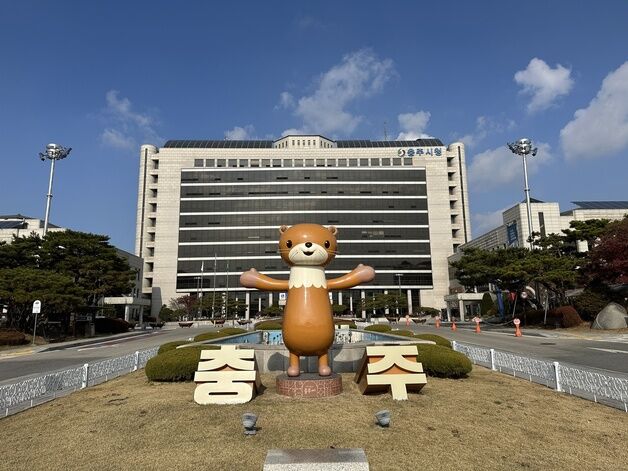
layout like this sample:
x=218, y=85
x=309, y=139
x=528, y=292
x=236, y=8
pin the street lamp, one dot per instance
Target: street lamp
x=53, y=153
x=523, y=147
x=399, y=275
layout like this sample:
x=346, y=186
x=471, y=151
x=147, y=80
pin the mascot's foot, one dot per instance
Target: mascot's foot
x=324, y=370
x=293, y=371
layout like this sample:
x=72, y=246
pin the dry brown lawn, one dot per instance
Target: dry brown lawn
x=488, y=421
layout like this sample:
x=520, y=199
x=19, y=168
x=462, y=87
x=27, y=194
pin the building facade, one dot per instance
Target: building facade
x=209, y=210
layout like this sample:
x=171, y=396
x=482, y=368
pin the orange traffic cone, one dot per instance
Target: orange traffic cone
x=517, y=328
x=438, y=322
x=453, y=326
x=477, y=328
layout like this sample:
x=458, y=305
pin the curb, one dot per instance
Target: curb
x=80, y=343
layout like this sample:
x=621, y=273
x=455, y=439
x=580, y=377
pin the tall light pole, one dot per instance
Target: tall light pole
x=523, y=147
x=53, y=153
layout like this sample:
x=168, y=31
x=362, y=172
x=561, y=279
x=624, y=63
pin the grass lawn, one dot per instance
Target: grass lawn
x=487, y=421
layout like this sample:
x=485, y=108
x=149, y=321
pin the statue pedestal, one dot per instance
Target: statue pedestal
x=309, y=385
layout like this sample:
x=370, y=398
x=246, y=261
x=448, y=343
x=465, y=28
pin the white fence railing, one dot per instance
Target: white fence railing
x=588, y=383
x=30, y=392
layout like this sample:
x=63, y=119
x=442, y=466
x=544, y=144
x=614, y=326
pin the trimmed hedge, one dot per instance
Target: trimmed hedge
x=232, y=331
x=166, y=347
x=350, y=323
x=268, y=325
x=437, y=339
x=568, y=316
x=378, y=328
x=405, y=333
x=443, y=362
x=209, y=336
x=12, y=337
x=176, y=365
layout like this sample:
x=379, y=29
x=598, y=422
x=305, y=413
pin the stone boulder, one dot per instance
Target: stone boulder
x=613, y=316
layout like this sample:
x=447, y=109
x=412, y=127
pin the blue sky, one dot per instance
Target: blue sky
x=105, y=77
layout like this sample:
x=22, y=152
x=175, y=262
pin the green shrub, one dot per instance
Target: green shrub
x=437, y=339
x=232, y=331
x=111, y=325
x=176, y=365
x=568, y=316
x=405, y=333
x=591, y=301
x=428, y=311
x=268, y=325
x=486, y=305
x=378, y=328
x=209, y=336
x=166, y=347
x=348, y=322
x=12, y=337
x=443, y=362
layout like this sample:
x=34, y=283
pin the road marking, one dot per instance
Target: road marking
x=94, y=348
x=609, y=350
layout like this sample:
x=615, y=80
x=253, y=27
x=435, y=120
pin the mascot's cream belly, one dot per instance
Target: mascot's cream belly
x=308, y=331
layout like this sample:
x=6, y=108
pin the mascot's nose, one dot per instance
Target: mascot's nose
x=308, y=244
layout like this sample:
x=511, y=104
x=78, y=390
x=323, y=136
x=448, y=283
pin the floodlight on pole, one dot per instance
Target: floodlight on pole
x=53, y=153
x=523, y=147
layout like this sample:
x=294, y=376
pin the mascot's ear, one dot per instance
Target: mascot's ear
x=283, y=229
x=333, y=230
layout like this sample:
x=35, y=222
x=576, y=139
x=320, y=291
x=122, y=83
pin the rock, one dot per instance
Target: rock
x=613, y=316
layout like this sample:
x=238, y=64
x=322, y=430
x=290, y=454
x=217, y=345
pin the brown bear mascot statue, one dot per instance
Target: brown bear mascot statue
x=308, y=324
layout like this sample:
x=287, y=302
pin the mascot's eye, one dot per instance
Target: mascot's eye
x=327, y=244
x=289, y=243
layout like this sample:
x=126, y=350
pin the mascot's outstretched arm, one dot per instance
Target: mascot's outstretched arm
x=254, y=279
x=360, y=274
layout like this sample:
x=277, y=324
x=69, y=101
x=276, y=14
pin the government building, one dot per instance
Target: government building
x=209, y=210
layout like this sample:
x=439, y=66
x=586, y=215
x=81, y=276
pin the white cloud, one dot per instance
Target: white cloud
x=543, y=83
x=497, y=167
x=286, y=100
x=601, y=128
x=484, y=126
x=114, y=138
x=240, y=133
x=484, y=222
x=412, y=125
x=359, y=75
x=126, y=128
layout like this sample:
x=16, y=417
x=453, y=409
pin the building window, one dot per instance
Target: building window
x=276, y=163
x=309, y=162
x=298, y=162
x=198, y=162
x=292, y=141
x=396, y=161
x=233, y=163
x=221, y=162
x=155, y=164
x=353, y=162
x=364, y=162
x=386, y=161
x=342, y=162
x=265, y=162
x=210, y=162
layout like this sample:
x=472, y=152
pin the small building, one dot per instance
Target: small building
x=19, y=225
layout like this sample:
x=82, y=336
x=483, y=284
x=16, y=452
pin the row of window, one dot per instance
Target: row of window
x=422, y=233
x=277, y=163
x=303, y=204
x=315, y=175
x=192, y=283
x=276, y=264
x=272, y=248
x=323, y=188
x=290, y=219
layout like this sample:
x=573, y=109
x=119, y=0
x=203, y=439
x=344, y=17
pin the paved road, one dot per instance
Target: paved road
x=26, y=363
x=604, y=354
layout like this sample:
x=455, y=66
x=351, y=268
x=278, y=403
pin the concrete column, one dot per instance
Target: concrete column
x=247, y=300
x=339, y=297
x=127, y=312
x=448, y=311
x=259, y=304
x=461, y=309
x=362, y=296
x=409, y=294
x=270, y=299
x=387, y=311
x=351, y=303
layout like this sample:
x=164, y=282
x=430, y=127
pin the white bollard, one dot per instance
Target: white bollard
x=85, y=375
x=557, y=376
x=136, y=361
x=454, y=345
x=493, y=359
